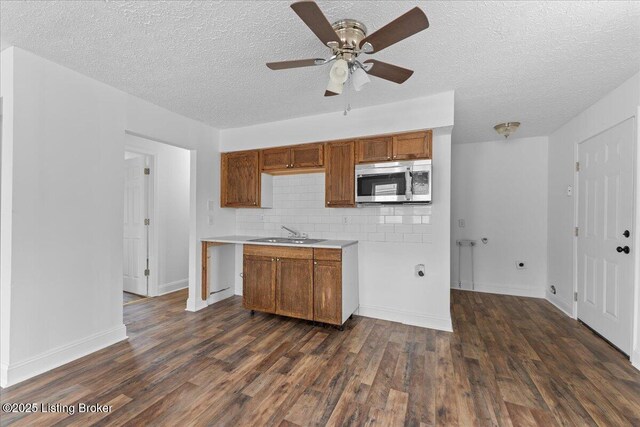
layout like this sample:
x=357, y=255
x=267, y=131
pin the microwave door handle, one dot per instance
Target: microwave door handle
x=408, y=184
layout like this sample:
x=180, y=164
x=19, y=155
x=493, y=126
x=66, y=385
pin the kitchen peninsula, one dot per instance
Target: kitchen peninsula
x=312, y=279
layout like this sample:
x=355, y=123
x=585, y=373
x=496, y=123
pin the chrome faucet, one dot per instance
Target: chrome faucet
x=294, y=233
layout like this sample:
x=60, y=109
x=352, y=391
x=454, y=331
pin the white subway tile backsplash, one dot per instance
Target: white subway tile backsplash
x=403, y=228
x=393, y=219
x=299, y=203
x=410, y=237
x=393, y=237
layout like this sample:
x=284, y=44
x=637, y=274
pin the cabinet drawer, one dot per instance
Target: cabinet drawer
x=327, y=254
x=279, y=251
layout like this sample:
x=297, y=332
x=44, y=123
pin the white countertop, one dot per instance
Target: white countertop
x=332, y=244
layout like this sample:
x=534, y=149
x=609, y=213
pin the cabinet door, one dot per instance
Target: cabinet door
x=327, y=292
x=259, y=283
x=276, y=158
x=340, y=174
x=240, y=179
x=307, y=156
x=294, y=289
x=415, y=145
x=374, y=149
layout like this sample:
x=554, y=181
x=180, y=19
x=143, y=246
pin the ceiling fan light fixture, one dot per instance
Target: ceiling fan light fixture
x=338, y=75
x=360, y=78
x=507, y=128
x=334, y=87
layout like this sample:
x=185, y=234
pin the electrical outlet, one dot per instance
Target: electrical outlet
x=461, y=223
x=520, y=265
x=210, y=220
x=345, y=220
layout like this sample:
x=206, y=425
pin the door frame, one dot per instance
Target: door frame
x=635, y=315
x=151, y=189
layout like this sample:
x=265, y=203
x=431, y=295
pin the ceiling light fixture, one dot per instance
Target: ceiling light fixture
x=360, y=78
x=337, y=76
x=506, y=129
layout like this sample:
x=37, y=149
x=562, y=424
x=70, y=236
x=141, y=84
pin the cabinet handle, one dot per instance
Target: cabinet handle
x=315, y=262
x=273, y=259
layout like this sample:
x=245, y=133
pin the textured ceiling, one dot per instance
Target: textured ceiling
x=536, y=62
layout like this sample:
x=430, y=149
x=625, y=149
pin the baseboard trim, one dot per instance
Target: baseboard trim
x=406, y=317
x=501, y=290
x=167, y=288
x=194, y=305
x=560, y=305
x=635, y=359
x=13, y=373
x=214, y=298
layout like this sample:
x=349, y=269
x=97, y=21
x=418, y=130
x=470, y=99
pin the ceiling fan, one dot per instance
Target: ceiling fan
x=347, y=38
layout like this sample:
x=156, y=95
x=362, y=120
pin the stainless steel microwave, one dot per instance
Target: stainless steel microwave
x=394, y=182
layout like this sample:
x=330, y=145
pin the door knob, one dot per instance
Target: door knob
x=626, y=249
x=626, y=233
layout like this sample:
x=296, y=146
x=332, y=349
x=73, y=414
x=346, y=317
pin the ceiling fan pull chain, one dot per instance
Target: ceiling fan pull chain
x=347, y=104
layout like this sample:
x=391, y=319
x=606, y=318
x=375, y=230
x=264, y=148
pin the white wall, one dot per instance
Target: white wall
x=62, y=202
x=389, y=287
x=170, y=250
x=617, y=106
x=499, y=189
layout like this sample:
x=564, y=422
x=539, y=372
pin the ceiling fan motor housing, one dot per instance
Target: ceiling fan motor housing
x=351, y=33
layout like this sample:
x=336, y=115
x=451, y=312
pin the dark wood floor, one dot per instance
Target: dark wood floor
x=511, y=361
x=128, y=297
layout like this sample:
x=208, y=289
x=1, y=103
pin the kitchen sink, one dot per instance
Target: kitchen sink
x=292, y=240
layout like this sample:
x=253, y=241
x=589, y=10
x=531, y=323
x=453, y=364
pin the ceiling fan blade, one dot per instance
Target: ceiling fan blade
x=283, y=65
x=329, y=93
x=389, y=72
x=405, y=26
x=311, y=14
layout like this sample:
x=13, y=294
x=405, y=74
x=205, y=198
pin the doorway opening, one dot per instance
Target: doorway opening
x=156, y=218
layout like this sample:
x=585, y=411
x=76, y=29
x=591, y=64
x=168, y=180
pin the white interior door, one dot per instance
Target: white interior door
x=135, y=233
x=605, y=218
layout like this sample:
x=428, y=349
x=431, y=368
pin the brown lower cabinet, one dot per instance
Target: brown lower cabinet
x=304, y=283
x=294, y=288
x=327, y=292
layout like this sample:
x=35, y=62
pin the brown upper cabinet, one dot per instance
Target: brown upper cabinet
x=375, y=149
x=414, y=145
x=340, y=174
x=240, y=179
x=299, y=156
x=275, y=158
x=406, y=146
